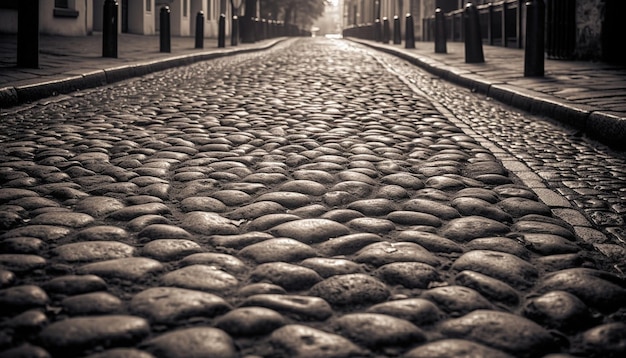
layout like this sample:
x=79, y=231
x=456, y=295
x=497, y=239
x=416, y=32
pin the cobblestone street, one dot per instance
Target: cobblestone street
x=318, y=199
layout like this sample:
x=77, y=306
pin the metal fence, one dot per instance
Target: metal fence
x=560, y=29
x=500, y=22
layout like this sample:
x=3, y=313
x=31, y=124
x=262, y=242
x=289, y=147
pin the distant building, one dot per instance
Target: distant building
x=82, y=17
x=362, y=12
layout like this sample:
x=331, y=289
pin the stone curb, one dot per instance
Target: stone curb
x=607, y=128
x=11, y=96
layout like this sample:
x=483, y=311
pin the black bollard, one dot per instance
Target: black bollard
x=257, y=29
x=473, y=39
x=378, y=37
x=535, y=47
x=200, y=30
x=397, y=34
x=386, y=30
x=234, y=31
x=221, y=31
x=164, y=35
x=409, y=36
x=28, y=33
x=440, y=32
x=109, y=29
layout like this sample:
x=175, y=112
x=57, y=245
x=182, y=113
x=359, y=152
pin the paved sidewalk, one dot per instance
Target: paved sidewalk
x=68, y=64
x=590, y=96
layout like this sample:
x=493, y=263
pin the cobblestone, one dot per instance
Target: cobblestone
x=322, y=206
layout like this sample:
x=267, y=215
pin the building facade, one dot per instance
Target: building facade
x=82, y=17
x=364, y=12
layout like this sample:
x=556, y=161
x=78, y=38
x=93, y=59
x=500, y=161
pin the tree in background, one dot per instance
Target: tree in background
x=293, y=12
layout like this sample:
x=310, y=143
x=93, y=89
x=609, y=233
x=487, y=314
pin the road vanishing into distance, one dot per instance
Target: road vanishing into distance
x=318, y=199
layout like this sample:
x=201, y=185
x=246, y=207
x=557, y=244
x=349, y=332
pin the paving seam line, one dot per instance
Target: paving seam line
x=558, y=204
x=12, y=96
x=605, y=127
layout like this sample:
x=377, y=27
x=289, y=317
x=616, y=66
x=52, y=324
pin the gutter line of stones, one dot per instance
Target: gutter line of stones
x=559, y=205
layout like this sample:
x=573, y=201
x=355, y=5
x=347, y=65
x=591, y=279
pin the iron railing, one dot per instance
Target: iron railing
x=500, y=22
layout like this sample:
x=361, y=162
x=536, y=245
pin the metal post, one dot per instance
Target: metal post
x=164, y=35
x=378, y=37
x=386, y=30
x=247, y=22
x=234, y=33
x=221, y=31
x=473, y=39
x=109, y=29
x=409, y=36
x=257, y=29
x=28, y=34
x=490, y=24
x=200, y=29
x=440, y=32
x=264, y=29
x=535, y=48
x=504, y=22
x=397, y=35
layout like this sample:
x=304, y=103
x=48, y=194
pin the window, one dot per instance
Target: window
x=148, y=5
x=64, y=8
x=185, y=8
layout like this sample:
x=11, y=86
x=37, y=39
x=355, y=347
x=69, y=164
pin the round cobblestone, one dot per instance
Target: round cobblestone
x=95, y=303
x=456, y=300
x=350, y=290
x=74, y=284
x=455, y=348
x=379, y=330
x=290, y=277
x=20, y=298
x=601, y=290
x=310, y=231
x=501, y=330
x=192, y=342
x=307, y=307
x=499, y=265
x=93, y=251
x=301, y=341
x=250, y=321
x=202, y=278
x=76, y=335
x=170, y=304
x=381, y=253
x=419, y=311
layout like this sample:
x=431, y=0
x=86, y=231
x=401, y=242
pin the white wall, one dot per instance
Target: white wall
x=74, y=26
x=141, y=17
x=179, y=18
x=49, y=24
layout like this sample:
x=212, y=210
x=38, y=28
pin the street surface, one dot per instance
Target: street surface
x=318, y=199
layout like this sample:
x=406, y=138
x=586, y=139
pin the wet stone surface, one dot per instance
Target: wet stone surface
x=314, y=207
